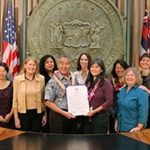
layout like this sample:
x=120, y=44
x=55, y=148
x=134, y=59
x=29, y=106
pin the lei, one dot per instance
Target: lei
x=92, y=91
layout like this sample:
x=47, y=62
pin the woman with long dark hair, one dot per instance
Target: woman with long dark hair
x=117, y=74
x=145, y=69
x=47, y=66
x=117, y=80
x=6, y=96
x=145, y=73
x=100, y=96
x=83, y=66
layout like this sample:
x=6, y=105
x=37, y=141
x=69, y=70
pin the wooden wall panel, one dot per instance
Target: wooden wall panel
x=136, y=28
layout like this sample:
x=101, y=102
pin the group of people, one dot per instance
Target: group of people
x=36, y=99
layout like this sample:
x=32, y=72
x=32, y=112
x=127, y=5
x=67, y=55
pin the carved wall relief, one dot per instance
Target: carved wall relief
x=74, y=26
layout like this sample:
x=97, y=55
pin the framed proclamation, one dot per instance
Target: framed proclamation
x=77, y=97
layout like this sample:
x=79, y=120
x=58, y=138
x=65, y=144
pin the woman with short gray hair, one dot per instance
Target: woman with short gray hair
x=132, y=104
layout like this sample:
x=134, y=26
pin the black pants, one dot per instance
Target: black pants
x=99, y=123
x=112, y=124
x=148, y=122
x=31, y=120
x=81, y=122
x=60, y=124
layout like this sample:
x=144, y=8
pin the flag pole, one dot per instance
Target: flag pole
x=128, y=11
x=24, y=29
x=145, y=4
x=148, y=22
x=148, y=27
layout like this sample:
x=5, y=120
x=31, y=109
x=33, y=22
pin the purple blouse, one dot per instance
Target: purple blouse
x=103, y=96
x=6, y=100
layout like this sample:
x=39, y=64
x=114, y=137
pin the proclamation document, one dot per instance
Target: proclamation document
x=77, y=97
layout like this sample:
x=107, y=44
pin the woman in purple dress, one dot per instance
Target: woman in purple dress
x=6, y=92
x=100, y=96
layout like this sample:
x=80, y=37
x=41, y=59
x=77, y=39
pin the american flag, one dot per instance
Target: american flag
x=10, y=53
x=145, y=40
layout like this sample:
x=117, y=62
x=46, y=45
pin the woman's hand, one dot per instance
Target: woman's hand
x=7, y=118
x=17, y=123
x=2, y=119
x=135, y=129
x=116, y=126
x=144, y=88
x=68, y=115
x=44, y=120
x=91, y=113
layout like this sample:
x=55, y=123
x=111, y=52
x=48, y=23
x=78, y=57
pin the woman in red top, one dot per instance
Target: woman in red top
x=100, y=96
x=117, y=80
x=145, y=73
x=117, y=74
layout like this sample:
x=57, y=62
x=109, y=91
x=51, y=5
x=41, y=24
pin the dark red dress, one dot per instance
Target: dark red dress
x=6, y=96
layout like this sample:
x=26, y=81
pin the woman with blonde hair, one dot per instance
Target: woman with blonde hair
x=28, y=95
x=132, y=104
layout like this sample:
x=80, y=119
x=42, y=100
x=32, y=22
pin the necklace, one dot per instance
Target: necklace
x=92, y=91
x=84, y=74
x=145, y=72
x=29, y=79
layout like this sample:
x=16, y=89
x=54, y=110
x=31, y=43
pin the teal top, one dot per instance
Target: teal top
x=132, y=108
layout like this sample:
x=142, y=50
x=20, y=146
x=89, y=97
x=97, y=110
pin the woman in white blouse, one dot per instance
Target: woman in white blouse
x=83, y=63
